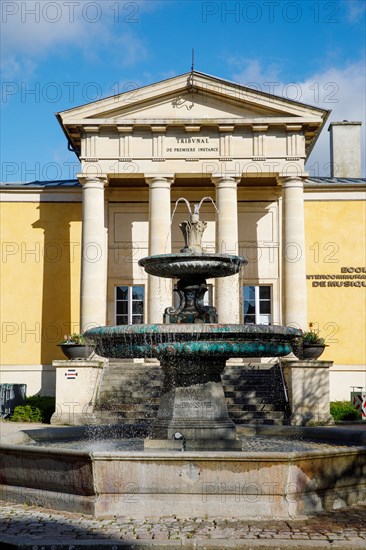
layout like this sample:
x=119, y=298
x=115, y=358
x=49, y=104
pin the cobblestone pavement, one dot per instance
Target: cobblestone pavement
x=37, y=529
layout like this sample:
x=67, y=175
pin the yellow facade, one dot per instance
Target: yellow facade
x=336, y=246
x=40, y=279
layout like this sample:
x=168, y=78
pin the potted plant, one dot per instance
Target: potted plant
x=73, y=346
x=313, y=345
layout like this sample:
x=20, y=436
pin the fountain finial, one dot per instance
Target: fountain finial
x=193, y=228
x=193, y=231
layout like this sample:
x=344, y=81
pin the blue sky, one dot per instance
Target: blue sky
x=57, y=55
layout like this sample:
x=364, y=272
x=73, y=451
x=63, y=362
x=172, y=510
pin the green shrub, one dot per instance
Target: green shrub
x=26, y=413
x=37, y=408
x=45, y=403
x=343, y=410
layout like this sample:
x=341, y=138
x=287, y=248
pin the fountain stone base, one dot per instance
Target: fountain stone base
x=193, y=413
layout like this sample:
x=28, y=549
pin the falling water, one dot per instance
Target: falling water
x=176, y=206
x=171, y=219
x=203, y=200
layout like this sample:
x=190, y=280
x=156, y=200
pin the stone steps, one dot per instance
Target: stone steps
x=263, y=421
x=255, y=393
x=134, y=394
x=130, y=393
x=258, y=406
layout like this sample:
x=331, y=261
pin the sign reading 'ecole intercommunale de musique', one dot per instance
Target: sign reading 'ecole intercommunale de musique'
x=348, y=277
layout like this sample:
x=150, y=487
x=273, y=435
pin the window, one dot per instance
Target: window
x=130, y=305
x=257, y=305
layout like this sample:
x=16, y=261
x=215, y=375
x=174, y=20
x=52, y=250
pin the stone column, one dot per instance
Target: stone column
x=159, y=289
x=293, y=253
x=227, y=291
x=93, y=254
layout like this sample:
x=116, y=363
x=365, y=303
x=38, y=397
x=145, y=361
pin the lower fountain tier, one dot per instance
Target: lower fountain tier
x=192, y=340
x=192, y=413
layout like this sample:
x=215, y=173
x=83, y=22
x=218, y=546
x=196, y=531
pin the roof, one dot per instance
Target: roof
x=335, y=182
x=42, y=184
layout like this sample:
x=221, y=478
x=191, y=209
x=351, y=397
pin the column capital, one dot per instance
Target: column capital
x=159, y=181
x=295, y=180
x=93, y=181
x=225, y=180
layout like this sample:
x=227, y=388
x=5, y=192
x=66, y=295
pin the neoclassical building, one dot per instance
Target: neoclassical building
x=70, y=249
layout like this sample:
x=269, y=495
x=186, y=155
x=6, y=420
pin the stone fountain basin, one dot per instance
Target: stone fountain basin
x=184, y=265
x=219, y=341
x=155, y=483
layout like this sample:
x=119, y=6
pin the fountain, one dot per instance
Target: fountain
x=192, y=346
x=194, y=462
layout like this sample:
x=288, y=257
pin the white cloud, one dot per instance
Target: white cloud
x=250, y=72
x=129, y=47
x=343, y=91
x=355, y=10
x=339, y=89
x=32, y=30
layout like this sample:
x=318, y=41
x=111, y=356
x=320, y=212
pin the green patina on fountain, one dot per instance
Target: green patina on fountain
x=192, y=347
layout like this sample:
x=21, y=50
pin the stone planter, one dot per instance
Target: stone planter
x=75, y=351
x=312, y=351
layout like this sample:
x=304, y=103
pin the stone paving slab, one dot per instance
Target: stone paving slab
x=35, y=528
x=7, y=427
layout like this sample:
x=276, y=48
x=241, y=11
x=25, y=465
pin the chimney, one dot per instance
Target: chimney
x=345, y=149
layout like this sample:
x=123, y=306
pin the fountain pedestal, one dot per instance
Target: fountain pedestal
x=193, y=413
x=191, y=307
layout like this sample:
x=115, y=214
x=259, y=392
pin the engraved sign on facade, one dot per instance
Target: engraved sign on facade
x=200, y=146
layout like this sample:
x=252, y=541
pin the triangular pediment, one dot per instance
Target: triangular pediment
x=195, y=103
x=183, y=93
x=193, y=97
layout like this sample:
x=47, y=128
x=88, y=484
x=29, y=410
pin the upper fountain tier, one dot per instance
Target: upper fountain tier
x=188, y=264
